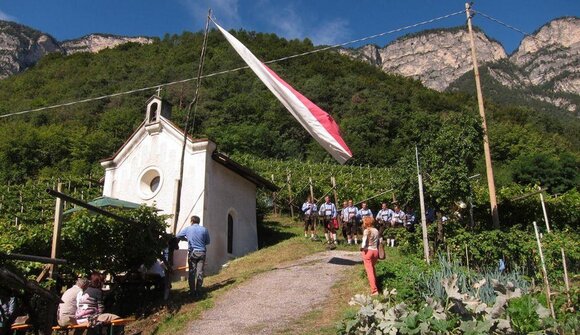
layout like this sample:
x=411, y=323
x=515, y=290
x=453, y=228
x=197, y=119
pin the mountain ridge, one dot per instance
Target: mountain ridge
x=22, y=46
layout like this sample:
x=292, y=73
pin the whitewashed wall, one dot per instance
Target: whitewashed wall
x=209, y=190
x=229, y=194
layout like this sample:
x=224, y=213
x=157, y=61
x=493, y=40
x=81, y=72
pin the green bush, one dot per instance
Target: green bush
x=402, y=274
x=95, y=242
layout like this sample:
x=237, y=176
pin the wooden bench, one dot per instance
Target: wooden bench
x=114, y=324
x=67, y=329
x=24, y=327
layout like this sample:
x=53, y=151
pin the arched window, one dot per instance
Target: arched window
x=153, y=112
x=230, y=234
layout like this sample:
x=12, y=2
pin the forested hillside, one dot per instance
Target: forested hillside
x=382, y=116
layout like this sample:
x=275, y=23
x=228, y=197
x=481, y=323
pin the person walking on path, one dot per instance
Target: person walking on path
x=370, y=252
x=197, y=239
x=309, y=210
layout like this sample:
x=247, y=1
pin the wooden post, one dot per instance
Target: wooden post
x=288, y=179
x=566, y=281
x=487, y=152
x=467, y=257
x=333, y=182
x=544, y=209
x=58, y=209
x=544, y=272
x=422, y=205
x=315, y=223
x=274, y=199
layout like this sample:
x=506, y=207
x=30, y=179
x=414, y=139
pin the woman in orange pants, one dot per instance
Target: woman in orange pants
x=370, y=252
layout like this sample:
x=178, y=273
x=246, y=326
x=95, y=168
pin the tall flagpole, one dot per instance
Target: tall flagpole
x=487, y=152
x=422, y=204
x=179, y=182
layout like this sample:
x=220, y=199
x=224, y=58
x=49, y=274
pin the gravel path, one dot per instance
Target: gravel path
x=271, y=300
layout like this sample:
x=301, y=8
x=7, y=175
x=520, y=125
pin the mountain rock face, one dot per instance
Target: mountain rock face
x=435, y=57
x=552, y=56
x=545, y=67
x=98, y=42
x=21, y=47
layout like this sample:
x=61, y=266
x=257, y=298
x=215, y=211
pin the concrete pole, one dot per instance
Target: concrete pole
x=544, y=209
x=487, y=152
x=422, y=204
x=544, y=272
x=55, y=250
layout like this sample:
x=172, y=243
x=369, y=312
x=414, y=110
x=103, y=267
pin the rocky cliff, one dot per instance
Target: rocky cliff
x=21, y=47
x=546, y=64
x=545, y=68
x=552, y=56
x=435, y=57
x=98, y=42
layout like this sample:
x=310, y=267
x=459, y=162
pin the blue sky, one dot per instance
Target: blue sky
x=323, y=21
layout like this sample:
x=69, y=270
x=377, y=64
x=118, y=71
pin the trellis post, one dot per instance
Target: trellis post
x=58, y=209
x=544, y=271
x=288, y=179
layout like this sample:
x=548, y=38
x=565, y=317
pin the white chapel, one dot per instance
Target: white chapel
x=218, y=190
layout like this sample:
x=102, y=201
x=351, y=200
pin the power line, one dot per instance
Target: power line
x=234, y=69
x=534, y=38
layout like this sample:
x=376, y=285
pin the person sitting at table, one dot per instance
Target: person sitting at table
x=90, y=305
x=67, y=309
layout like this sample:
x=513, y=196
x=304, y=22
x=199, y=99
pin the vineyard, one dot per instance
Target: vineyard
x=294, y=178
x=29, y=203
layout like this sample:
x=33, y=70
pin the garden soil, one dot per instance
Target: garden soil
x=271, y=301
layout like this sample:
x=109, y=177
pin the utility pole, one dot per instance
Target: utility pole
x=422, y=204
x=488, y=165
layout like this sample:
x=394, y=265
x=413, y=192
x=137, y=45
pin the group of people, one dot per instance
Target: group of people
x=83, y=302
x=376, y=229
x=350, y=218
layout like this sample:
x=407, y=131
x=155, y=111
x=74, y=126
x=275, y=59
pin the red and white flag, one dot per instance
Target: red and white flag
x=317, y=122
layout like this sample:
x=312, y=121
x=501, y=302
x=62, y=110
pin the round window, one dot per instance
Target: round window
x=154, y=184
x=150, y=183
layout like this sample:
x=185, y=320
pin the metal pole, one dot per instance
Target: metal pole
x=544, y=272
x=58, y=209
x=88, y=206
x=422, y=204
x=487, y=152
x=544, y=209
x=177, y=207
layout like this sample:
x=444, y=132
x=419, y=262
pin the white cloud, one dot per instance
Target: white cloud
x=288, y=22
x=226, y=11
x=332, y=32
x=7, y=17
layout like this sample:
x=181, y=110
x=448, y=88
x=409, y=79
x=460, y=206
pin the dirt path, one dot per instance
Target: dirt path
x=271, y=300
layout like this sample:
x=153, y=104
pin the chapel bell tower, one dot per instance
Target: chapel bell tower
x=156, y=107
